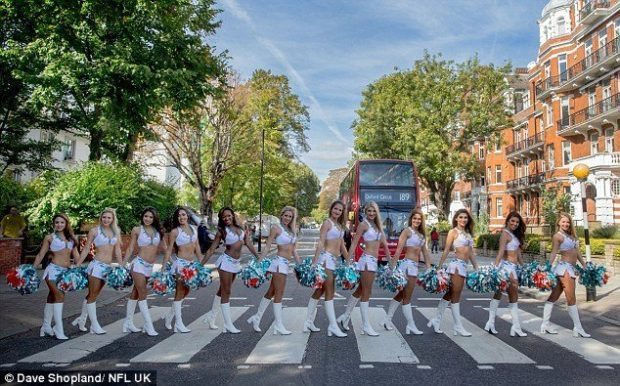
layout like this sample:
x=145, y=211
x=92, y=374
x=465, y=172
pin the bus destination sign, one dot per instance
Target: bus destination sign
x=388, y=196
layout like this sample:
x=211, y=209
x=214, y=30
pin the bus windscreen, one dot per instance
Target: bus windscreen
x=386, y=174
x=394, y=221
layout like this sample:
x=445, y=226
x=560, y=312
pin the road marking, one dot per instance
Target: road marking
x=435, y=299
x=381, y=298
x=304, y=367
x=123, y=364
x=7, y=365
x=233, y=298
x=590, y=349
x=86, y=344
x=544, y=367
x=389, y=347
x=184, y=366
x=180, y=348
x=424, y=367
x=243, y=367
x=367, y=366
x=277, y=349
x=495, y=350
x=485, y=367
x=604, y=367
x=479, y=299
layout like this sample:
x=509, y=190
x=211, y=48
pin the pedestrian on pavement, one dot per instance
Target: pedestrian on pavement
x=434, y=240
x=413, y=240
x=62, y=244
x=147, y=238
x=565, y=242
x=184, y=241
x=508, y=258
x=372, y=232
x=13, y=224
x=106, y=237
x=285, y=236
x=330, y=245
x=227, y=264
x=461, y=239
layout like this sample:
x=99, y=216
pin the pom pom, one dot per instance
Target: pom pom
x=392, y=280
x=23, y=279
x=73, y=279
x=162, y=283
x=264, y=266
x=543, y=278
x=525, y=274
x=347, y=277
x=487, y=279
x=434, y=281
x=309, y=275
x=195, y=275
x=253, y=275
x=118, y=278
x=593, y=275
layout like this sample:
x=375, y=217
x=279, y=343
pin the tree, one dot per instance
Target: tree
x=330, y=186
x=554, y=202
x=306, y=186
x=431, y=114
x=108, y=67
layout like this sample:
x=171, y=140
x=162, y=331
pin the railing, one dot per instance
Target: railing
x=526, y=143
x=592, y=5
x=547, y=84
x=584, y=115
x=527, y=181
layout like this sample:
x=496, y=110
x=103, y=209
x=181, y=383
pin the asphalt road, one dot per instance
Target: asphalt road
x=249, y=358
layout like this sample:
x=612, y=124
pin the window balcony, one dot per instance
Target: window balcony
x=593, y=11
x=578, y=123
x=596, y=64
x=527, y=147
x=527, y=183
x=601, y=160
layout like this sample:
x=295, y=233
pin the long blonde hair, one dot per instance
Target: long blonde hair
x=114, y=225
x=292, y=226
x=571, y=230
x=377, y=220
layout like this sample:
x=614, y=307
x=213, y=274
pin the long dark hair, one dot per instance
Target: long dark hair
x=68, y=231
x=175, y=216
x=469, y=228
x=221, y=226
x=421, y=228
x=341, y=219
x=520, y=231
x=156, y=223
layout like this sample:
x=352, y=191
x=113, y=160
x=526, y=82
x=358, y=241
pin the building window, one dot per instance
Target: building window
x=549, y=114
x=615, y=187
x=565, y=111
x=588, y=52
x=499, y=208
x=617, y=28
x=46, y=136
x=602, y=38
x=67, y=149
x=482, y=181
x=498, y=145
x=561, y=26
x=562, y=68
x=593, y=143
x=609, y=140
x=566, y=154
x=550, y=157
x=498, y=174
x=481, y=151
x=518, y=169
x=526, y=164
x=526, y=99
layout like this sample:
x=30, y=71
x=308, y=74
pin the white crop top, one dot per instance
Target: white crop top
x=514, y=242
x=103, y=239
x=184, y=238
x=334, y=232
x=371, y=234
x=58, y=244
x=285, y=237
x=232, y=237
x=568, y=243
x=145, y=239
x=463, y=239
x=415, y=240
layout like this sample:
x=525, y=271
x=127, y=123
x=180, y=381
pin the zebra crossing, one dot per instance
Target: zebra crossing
x=390, y=347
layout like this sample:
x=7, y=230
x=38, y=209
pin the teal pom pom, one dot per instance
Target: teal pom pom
x=253, y=275
x=162, y=283
x=309, y=275
x=73, y=279
x=347, y=277
x=392, y=280
x=434, y=281
x=593, y=275
x=487, y=279
x=118, y=278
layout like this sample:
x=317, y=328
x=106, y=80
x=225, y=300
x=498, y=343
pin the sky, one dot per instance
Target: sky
x=332, y=49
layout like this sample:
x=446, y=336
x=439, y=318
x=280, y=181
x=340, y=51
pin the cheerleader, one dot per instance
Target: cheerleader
x=330, y=245
x=106, y=239
x=508, y=257
x=372, y=232
x=147, y=238
x=285, y=238
x=63, y=246
x=228, y=265
x=413, y=239
x=565, y=242
x=183, y=240
x=461, y=238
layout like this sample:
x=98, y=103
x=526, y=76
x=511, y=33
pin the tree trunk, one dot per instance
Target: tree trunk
x=96, y=143
x=130, y=147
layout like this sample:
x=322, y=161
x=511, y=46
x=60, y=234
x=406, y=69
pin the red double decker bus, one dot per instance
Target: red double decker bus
x=392, y=184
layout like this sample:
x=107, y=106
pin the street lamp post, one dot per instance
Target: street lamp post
x=260, y=203
x=581, y=171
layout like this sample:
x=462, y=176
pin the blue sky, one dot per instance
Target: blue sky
x=331, y=50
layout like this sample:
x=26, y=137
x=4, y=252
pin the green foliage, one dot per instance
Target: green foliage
x=83, y=193
x=319, y=215
x=605, y=232
x=443, y=226
x=597, y=246
x=431, y=114
x=553, y=203
x=188, y=196
x=481, y=226
x=12, y=193
x=492, y=240
x=532, y=242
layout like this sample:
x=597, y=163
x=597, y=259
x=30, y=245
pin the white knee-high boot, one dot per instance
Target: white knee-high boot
x=516, y=323
x=212, y=315
x=577, y=329
x=48, y=314
x=366, y=327
x=59, y=331
x=411, y=327
x=95, y=328
x=436, y=321
x=255, y=319
x=345, y=318
x=311, y=313
x=490, y=326
x=128, y=325
x=278, y=326
x=178, y=318
x=146, y=315
x=458, y=325
x=228, y=324
x=80, y=321
x=545, y=326
x=333, y=328
x=169, y=317
x=387, y=322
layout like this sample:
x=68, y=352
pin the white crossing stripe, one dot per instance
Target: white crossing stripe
x=590, y=349
x=181, y=347
x=85, y=344
x=483, y=347
x=389, y=347
x=276, y=349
